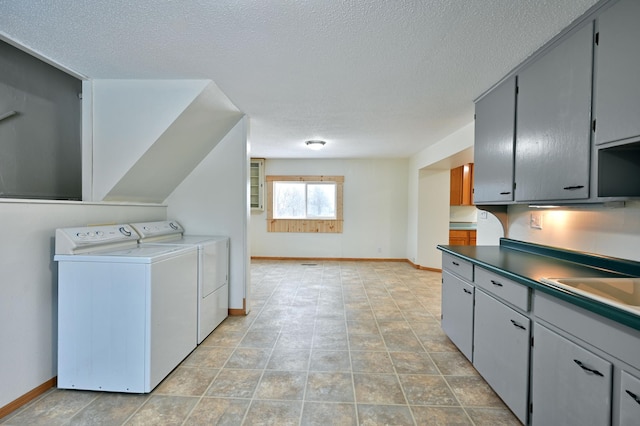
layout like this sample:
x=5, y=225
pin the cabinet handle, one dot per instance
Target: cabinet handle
x=467, y=291
x=496, y=283
x=505, y=193
x=518, y=325
x=455, y=263
x=635, y=397
x=571, y=188
x=585, y=368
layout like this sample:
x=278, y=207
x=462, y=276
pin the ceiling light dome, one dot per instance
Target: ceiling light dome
x=315, y=144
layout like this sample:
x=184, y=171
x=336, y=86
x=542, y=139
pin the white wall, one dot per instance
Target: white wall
x=213, y=200
x=452, y=151
x=375, y=211
x=433, y=215
x=28, y=287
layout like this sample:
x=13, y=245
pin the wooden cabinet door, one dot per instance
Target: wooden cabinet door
x=552, y=154
x=457, y=312
x=617, y=80
x=455, y=192
x=571, y=386
x=494, y=145
x=501, y=351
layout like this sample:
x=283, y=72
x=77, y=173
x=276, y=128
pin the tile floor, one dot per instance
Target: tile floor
x=326, y=343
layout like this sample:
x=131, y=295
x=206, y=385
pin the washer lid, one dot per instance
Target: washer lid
x=139, y=254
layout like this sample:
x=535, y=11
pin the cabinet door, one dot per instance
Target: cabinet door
x=493, y=146
x=629, y=400
x=617, y=80
x=571, y=386
x=455, y=192
x=501, y=351
x=457, y=312
x=554, y=122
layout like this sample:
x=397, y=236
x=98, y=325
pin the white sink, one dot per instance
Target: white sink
x=623, y=293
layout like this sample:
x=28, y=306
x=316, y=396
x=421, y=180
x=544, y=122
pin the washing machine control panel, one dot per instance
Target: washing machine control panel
x=86, y=239
x=158, y=230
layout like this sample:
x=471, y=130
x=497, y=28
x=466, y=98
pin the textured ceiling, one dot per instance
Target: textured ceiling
x=374, y=78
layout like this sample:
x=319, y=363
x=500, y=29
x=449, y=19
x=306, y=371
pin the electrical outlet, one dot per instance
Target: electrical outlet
x=483, y=214
x=535, y=220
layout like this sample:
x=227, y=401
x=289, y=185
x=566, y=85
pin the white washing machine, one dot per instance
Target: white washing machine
x=213, y=268
x=127, y=314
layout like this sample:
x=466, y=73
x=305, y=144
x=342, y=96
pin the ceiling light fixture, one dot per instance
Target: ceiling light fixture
x=315, y=144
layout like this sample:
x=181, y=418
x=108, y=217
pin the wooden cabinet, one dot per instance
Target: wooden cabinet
x=617, y=80
x=461, y=193
x=462, y=237
x=570, y=384
x=501, y=351
x=457, y=312
x=494, y=145
x=552, y=154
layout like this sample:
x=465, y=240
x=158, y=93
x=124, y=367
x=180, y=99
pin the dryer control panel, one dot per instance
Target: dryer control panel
x=158, y=231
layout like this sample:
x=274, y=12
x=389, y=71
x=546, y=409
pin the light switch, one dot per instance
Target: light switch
x=535, y=220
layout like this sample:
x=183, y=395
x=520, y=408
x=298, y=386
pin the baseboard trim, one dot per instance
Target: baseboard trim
x=330, y=259
x=347, y=259
x=239, y=312
x=27, y=397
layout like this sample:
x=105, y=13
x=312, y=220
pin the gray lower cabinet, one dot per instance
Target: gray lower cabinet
x=501, y=351
x=493, y=146
x=457, y=312
x=570, y=385
x=553, y=124
x=617, y=80
x=629, y=400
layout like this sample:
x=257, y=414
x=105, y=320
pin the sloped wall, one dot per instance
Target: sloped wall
x=148, y=135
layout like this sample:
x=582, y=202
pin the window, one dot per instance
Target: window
x=257, y=184
x=304, y=204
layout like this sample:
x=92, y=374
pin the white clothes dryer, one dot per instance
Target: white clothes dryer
x=213, y=268
x=127, y=314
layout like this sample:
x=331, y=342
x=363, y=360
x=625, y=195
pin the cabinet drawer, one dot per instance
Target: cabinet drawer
x=629, y=399
x=507, y=290
x=611, y=337
x=458, y=266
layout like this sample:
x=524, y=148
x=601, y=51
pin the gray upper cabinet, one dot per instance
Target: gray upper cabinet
x=553, y=124
x=493, y=146
x=617, y=87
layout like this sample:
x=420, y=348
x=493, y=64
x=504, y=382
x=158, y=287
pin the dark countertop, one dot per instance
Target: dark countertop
x=527, y=263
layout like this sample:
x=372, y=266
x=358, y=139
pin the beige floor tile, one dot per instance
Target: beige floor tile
x=108, y=409
x=322, y=360
x=440, y=416
x=323, y=414
x=208, y=357
x=492, y=417
x=289, y=359
x=335, y=387
x=453, y=364
x=375, y=415
x=282, y=385
x=473, y=391
x=186, y=381
x=218, y=411
x=235, y=383
x=421, y=389
x=413, y=363
x=160, y=409
x=248, y=358
x=54, y=408
x=273, y=413
x=371, y=362
x=378, y=389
